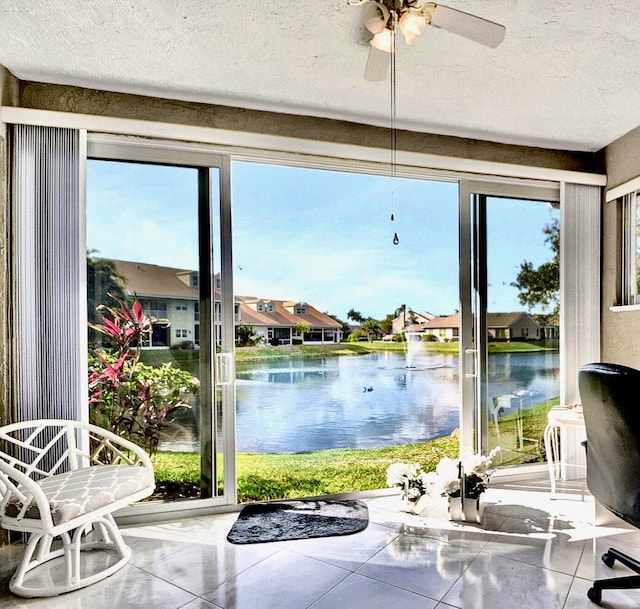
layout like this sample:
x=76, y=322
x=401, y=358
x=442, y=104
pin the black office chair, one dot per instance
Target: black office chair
x=610, y=395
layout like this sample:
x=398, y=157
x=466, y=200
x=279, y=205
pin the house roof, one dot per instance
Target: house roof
x=447, y=321
x=566, y=75
x=505, y=320
x=150, y=280
x=153, y=281
x=284, y=315
x=494, y=320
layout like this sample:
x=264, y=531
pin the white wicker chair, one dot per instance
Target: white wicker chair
x=65, y=479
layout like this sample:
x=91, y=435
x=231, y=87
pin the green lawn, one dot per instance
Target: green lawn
x=188, y=358
x=287, y=475
x=270, y=476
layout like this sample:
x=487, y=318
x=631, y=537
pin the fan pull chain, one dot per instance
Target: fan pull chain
x=396, y=240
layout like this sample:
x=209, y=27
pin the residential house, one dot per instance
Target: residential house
x=500, y=326
x=400, y=322
x=283, y=322
x=512, y=326
x=170, y=297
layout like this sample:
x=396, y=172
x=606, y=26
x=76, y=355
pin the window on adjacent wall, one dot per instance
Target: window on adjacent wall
x=181, y=334
x=181, y=306
x=630, y=289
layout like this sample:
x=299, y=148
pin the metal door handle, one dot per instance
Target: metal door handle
x=472, y=352
x=224, y=368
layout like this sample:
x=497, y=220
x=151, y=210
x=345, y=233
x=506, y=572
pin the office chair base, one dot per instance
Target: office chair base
x=617, y=583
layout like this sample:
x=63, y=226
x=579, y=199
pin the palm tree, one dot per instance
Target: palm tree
x=355, y=316
x=412, y=317
x=371, y=327
x=401, y=310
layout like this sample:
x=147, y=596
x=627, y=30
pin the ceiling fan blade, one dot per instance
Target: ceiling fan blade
x=469, y=26
x=377, y=64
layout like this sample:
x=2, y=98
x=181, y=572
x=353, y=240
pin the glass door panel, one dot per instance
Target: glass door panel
x=522, y=323
x=347, y=352
x=149, y=229
x=512, y=331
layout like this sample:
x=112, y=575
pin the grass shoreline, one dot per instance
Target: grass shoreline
x=268, y=476
x=246, y=354
x=190, y=357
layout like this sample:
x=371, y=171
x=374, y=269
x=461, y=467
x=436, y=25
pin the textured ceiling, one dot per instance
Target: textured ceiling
x=567, y=75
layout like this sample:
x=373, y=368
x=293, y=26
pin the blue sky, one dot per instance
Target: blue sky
x=320, y=236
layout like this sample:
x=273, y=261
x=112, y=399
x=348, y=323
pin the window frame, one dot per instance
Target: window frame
x=630, y=249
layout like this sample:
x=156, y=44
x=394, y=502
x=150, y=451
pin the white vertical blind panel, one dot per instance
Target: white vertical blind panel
x=580, y=210
x=48, y=312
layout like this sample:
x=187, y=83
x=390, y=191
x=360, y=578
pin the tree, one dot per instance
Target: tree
x=386, y=325
x=401, y=310
x=246, y=336
x=344, y=324
x=371, y=327
x=355, y=316
x=104, y=288
x=541, y=286
x=302, y=327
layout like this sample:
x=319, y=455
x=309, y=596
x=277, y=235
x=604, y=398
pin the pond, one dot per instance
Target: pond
x=369, y=401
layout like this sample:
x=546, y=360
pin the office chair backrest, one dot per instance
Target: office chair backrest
x=610, y=395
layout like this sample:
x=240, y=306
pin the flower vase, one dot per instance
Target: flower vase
x=455, y=508
x=473, y=508
x=413, y=506
x=466, y=509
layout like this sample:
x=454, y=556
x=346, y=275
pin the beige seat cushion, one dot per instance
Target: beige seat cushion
x=80, y=491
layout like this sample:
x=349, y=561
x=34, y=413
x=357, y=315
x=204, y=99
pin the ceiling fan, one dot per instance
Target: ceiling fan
x=383, y=18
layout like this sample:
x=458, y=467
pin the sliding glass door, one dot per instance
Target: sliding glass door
x=341, y=315
x=347, y=353
x=160, y=311
x=510, y=288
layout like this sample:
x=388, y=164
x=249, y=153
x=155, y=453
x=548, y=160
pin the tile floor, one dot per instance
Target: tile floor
x=531, y=551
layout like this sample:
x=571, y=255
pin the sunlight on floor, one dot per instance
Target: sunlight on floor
x=531, y=550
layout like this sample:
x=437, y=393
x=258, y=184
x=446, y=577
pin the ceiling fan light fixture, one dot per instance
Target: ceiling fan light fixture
x=412, y=26
x=383, y=41
x=375, y=16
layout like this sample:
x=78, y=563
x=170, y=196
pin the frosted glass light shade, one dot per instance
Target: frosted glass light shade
x=383, y=41
x=412, y=26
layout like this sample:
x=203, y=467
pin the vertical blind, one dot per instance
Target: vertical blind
x=579, y=283
x=49, y=305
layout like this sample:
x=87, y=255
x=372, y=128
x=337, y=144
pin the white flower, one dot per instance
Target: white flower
x=396, y=473
x=447, y=469
x=446, y=480
x=452, y=486
x=432, y=484
x=478, y=464
x=413, y=493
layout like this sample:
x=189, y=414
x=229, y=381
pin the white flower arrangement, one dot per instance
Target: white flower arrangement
x=471, y=473
x=409, y=477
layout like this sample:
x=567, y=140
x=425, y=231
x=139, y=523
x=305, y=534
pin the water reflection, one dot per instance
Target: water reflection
x=368, y=401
